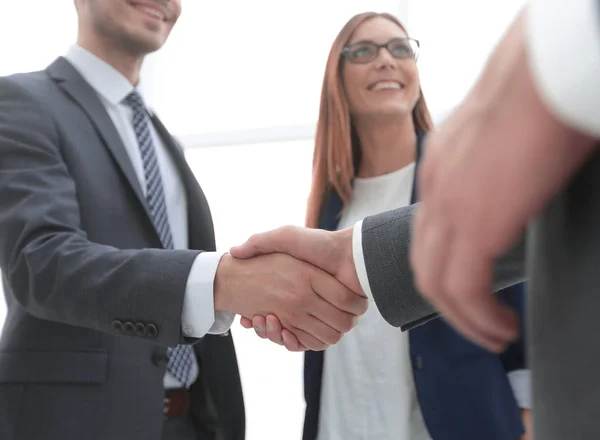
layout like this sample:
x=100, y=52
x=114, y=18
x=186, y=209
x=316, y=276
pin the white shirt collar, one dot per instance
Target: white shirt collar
x=105, y=79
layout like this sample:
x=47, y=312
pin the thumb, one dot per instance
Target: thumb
x=310, y=245
x=277, y=240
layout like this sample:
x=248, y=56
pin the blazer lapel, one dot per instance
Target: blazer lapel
x=331, y=212
x=84, y=95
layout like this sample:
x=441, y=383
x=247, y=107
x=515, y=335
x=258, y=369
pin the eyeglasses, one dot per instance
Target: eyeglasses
x=367, y=51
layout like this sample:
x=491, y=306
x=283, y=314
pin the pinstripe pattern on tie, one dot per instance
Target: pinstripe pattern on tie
x=181, y=357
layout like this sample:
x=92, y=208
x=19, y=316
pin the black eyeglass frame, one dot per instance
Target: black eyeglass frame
x=346, y=50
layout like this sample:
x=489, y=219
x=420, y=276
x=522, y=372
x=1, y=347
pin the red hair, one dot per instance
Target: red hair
x=337, y=151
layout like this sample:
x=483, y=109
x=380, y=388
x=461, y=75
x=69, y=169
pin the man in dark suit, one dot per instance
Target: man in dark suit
x=524, y=145
x=519, y=153
x=118, y=305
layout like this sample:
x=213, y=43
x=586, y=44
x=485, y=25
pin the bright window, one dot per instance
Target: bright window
x=256, y=64
x=252, y=188
x=456, y=39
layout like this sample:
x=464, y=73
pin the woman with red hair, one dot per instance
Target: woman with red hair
x=378, y=382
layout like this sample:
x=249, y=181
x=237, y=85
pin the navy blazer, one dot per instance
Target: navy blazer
x=463, y=389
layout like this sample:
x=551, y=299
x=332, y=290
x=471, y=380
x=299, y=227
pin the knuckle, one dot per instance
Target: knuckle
x=286, y=229
x=346, y=324
x=346, y=298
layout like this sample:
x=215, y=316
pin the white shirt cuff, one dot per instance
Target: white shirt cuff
x=198, y=316
x=359, y=259
x=520, y=381
x=564, y=48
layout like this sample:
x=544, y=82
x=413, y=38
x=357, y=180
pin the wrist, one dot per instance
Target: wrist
x=344, y=246
x=223, y=299
x=345, y=270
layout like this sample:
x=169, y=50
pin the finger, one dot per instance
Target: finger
x=259, y=323
x=245, y=322
x=453, y=316
x=274, y=329
x=460, y=317
x=307, y=340
x=469, y=272
x=338, y=295
x=453, y=294
x=337, y=320
x=291, y=342
x=319, y=330
x=474, y=310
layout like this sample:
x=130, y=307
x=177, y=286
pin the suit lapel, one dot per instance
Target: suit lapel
x=84, y=95
x=201, y=226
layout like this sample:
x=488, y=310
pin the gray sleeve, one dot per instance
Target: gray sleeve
x=386, y=246
x=51, y=268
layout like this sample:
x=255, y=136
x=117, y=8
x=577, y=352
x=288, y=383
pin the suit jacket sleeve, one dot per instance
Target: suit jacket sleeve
x=49, y=265
x=385, y=250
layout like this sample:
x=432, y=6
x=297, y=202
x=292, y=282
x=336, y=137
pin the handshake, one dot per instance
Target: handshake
x=296, y=286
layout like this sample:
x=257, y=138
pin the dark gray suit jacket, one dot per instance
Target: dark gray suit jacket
x=92, y=300
x=386, y=246
x=563, y=274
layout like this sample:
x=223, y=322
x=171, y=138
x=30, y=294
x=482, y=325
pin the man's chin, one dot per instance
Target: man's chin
x=144, y=45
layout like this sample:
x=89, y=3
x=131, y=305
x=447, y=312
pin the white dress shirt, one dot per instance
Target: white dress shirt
x=198, y=315
x=564, y=48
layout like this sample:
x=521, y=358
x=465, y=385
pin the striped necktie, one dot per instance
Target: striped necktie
x=181, y=357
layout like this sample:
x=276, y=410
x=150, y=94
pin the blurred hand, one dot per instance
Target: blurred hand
x=315, y=307
x=528, y=423
x=492, y=167
x=331, y=251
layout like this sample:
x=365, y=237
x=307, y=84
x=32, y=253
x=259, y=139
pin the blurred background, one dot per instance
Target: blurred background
x=239, y=83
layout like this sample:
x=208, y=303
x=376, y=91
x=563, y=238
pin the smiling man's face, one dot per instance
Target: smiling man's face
x=140, y=27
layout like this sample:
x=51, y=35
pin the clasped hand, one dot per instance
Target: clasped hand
x=299, y=285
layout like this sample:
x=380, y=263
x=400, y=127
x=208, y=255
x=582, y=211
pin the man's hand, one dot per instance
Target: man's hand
x=490, y=169
x=331, y=251
x=315, y=307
